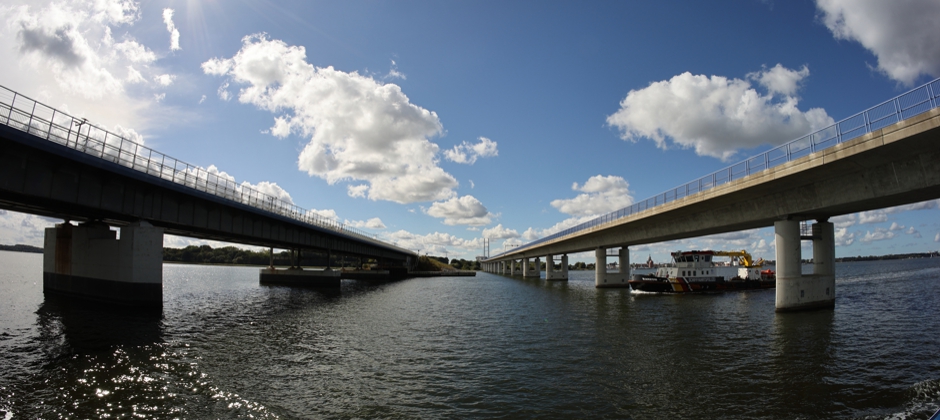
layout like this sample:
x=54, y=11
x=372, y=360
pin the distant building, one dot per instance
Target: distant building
x=649, y=262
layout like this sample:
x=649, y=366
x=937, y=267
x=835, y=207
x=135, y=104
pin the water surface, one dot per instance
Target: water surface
x=471, y=347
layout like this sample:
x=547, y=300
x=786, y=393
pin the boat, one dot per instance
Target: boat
x=699, y=271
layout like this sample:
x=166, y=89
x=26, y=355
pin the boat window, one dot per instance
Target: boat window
x=696, y=258
x=708, y=258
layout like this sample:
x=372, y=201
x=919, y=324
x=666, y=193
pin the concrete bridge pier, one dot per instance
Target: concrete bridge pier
x=551, y=273
x=796, y=291
x=512, y=265
x=89, y=262
x=603, y=278
x=531, y=271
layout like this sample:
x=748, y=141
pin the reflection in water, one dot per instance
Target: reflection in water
x=801, y=362
x=473, y=347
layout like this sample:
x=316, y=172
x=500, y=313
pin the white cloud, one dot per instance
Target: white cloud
x=913, y=232
x=469, y=153
x=76, y=54
x=601, y=195
x=202, y=99
x=271, y=189
x=357, y=190
x=22, y=228
x=901, y=34
x=936, y=238
x=499, y=232
x=74, y=42
x=159, y=96
x=844, y=221
x=843, y=237
x=895, y=226
x=880, y=234
x=164, y=79
x=873, y=216
x=359, y=129
x=466, y=210
x=171, y=28
x=780, y=80
x=328, y=214
x=718, y=116
x=373, y=223
x=436, y=243
x=393, y=72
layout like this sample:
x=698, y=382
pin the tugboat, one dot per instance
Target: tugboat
x=697, y=271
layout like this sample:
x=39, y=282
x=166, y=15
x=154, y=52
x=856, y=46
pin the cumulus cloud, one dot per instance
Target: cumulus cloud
x=164, y=79
x=600, y=195
x=936, y=238
x=843, y=237
x=466, y=210
x=901, y=34
x=717, y=116
x=913, y=232
x=880, y=234
x=358, y=129
x=22, y=228
x=73, y=40
x=271, y=189
x=469, y=153
x=171, y=28
x=874, y=216
x=532, y=234
x=74, y=53
x=436, y=243
x=373, y=223
x=499, y=232
x=328, y=214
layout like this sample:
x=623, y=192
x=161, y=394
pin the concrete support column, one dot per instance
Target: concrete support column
x=796, y=291
x=824, y=249
x=604, y=279
x=624, y=263
x=600, y=267
x=512, y=269
x=89, y=262
x=528, y=272
x=561, y=273
x=789, y=255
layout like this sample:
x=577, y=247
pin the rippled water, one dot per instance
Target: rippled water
x=471, y=347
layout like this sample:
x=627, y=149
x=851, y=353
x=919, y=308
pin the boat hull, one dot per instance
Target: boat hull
x=654, y=284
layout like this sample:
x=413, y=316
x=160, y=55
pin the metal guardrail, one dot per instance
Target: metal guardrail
x=33, y=117
x=904, y=106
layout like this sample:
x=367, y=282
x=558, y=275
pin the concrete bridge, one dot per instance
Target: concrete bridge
x=886, y=156
x=52, y=164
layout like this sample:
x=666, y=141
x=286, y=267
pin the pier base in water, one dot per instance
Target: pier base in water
x=796, y=291
x=89, y=262
x=301, y=278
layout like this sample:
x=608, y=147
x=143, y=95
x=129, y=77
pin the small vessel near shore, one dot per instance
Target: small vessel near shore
x=698, y=271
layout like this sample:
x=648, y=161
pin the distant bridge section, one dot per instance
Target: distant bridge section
x=886, y=156
x=53, y=164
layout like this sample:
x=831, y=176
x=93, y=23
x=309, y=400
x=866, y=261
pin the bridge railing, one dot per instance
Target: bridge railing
x=33, y=117
x=906, y=105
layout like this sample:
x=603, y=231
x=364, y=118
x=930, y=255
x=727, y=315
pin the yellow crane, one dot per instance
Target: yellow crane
x=742, y=256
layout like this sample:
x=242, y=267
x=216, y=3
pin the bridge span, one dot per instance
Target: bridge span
x=53, y=164
x=886, y=156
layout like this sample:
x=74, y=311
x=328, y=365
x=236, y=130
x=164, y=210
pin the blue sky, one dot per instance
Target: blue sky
x=435, y=124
